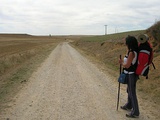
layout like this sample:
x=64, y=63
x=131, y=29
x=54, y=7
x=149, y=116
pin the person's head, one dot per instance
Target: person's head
x=132, y=43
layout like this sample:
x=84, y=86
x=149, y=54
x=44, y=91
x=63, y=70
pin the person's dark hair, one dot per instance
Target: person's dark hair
x=132, y=43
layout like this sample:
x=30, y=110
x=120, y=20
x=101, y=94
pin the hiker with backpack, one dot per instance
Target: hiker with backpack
x=145, y=56
x=129, y=65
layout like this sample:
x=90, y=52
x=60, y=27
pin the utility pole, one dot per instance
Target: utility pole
x=105, y=29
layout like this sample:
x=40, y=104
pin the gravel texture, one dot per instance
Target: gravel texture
x=68, y=87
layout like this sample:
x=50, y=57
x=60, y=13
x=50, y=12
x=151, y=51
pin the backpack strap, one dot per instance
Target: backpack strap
x=153, y=65
x=151, y=54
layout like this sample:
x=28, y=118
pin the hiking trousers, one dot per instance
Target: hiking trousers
x=132, y=102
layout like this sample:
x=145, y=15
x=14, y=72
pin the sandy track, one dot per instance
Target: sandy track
x=67, y=87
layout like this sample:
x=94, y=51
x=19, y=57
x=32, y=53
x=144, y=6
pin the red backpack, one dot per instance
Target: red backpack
x=145, y=58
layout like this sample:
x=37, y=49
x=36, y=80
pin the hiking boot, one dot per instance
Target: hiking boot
x=131, y=116
x=125, y=108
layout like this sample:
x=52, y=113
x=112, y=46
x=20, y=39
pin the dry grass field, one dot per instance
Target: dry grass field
x=20, y=55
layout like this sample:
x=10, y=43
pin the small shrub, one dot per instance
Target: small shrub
x=154, y=30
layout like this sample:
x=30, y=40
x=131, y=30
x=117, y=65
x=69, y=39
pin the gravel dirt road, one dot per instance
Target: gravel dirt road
x=67, y=86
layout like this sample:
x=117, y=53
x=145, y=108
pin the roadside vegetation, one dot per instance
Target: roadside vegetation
x=20, y=55
x=108, y=48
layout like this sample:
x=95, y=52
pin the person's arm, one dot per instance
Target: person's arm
x=129, y=60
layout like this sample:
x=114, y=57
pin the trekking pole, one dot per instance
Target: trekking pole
x=119, y=85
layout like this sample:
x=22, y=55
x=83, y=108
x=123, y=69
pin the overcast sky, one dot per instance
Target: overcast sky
x=75, y=17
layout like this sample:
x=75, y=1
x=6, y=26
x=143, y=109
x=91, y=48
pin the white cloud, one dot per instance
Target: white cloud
x=76, y=16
